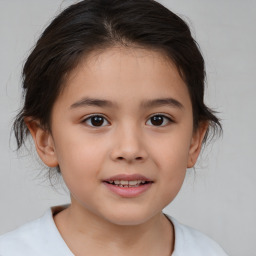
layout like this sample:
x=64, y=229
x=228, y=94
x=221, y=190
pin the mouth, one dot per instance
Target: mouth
x=128, y=185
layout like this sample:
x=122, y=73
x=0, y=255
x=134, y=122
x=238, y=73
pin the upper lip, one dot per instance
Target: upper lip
x=128, y=177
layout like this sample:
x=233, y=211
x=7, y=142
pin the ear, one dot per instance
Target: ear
x=196, y=143
x=43, y=142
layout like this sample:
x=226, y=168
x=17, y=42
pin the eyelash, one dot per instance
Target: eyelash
x=169, y=120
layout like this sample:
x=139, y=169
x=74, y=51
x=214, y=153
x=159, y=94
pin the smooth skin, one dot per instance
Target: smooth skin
x=126, y=141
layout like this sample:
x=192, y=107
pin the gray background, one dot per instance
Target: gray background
x=219, y=198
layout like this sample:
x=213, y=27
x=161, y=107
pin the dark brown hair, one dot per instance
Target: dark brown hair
x=99, y=24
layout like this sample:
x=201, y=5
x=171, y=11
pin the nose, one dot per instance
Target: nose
x=129, y=145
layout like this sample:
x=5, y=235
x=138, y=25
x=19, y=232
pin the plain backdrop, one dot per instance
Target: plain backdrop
x=217, y=198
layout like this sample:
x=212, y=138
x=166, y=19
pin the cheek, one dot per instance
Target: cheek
x=173, y=166
x=173, y=172
x=172, y=151
x=80, y=170
x=79, y=158
x=171, y=157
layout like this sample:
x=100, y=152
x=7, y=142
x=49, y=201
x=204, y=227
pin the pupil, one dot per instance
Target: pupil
x=157, y=120
x=97, y=120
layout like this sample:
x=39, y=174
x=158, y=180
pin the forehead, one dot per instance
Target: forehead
x=125, y=74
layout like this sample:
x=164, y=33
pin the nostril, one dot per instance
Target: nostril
x=136, y=158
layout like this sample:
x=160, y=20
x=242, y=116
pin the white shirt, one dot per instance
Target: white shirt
x=42, y=238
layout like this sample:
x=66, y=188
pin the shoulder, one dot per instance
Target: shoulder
x=189, y=241
x=39, y=237
x=23, y=239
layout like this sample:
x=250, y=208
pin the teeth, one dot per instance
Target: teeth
x=133, y=182
x=126, y=183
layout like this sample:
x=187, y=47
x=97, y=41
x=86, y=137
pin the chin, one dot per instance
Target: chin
x=129, y=217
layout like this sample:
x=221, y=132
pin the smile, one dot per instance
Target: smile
x=128, y=185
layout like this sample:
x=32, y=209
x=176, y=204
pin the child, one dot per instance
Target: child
x=114, y=102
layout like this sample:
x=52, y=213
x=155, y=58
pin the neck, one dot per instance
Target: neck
x=88, y=234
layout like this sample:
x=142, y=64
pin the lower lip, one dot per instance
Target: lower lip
x=129, y=191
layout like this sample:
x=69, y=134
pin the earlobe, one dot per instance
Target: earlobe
x=43, y=142
x=196, y=144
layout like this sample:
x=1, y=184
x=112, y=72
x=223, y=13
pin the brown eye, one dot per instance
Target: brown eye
x=96, y=121
x=160, y=120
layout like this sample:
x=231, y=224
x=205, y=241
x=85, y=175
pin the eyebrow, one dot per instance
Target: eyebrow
x=171, y=102
x=85, y=102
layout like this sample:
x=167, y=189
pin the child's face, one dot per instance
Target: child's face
x=125, y=139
